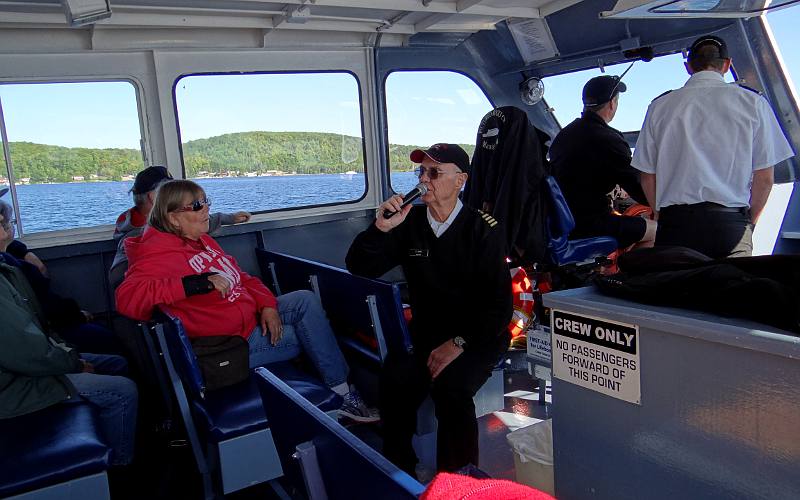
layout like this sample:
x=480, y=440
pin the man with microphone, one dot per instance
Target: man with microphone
x=454, y=260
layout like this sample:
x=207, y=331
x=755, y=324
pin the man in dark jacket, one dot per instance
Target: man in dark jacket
x=589, y=159
x=460, y=291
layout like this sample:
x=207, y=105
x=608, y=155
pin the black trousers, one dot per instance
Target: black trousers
x=405, y=383
x=711, y=229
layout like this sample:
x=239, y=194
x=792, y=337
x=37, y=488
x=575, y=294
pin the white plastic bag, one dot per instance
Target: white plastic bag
x=534, y=443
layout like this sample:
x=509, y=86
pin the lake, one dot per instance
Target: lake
x=48, y=207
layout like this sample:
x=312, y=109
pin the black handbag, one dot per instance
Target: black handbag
x=224, y=360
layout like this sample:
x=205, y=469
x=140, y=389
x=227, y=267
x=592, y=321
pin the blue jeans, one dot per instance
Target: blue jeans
x=107, y=364
x=116, y=400
x=305, y=329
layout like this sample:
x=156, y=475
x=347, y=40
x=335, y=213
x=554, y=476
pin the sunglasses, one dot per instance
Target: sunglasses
x=433, y=173
x=196, y=206
x=6, y=224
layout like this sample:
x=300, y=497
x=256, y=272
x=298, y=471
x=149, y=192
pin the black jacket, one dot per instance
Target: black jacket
x=507, y=180
x=459, y=283
x=589, y=158
x=764, y=288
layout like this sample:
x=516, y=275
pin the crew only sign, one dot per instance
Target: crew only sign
x=597, y=354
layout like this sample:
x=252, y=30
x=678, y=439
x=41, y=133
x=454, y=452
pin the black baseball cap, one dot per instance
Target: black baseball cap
x=443, y=153
x=149, y=179
x=601, y=89
x=704, y=41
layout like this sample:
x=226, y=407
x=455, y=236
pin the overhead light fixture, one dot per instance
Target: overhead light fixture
x=82, y=12
x=531, y=91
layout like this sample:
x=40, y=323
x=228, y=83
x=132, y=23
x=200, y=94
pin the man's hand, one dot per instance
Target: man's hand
x=393, y=205
x=271, y=323
x=443, y=356
x=221, y=284
x=763, y=179
x=240, y=217
x=87, y=367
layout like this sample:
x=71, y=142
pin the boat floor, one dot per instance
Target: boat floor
x=171, y=474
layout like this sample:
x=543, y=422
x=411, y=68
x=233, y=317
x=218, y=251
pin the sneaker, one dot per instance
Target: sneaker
x=354, y=408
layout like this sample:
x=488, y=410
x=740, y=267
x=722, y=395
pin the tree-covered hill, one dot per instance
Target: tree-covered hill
x=237, y=154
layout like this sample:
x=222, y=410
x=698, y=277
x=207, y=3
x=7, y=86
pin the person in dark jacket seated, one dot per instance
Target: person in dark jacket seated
x=62, y=314
x=37, y=370
x=589, y=159
x=454, y=258
x=177, y=264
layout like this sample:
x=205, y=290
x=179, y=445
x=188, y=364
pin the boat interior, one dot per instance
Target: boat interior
x=505, y=47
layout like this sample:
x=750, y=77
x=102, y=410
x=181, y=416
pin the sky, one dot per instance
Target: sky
x=423, y=107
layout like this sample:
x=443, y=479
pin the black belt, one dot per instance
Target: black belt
x=707, y=206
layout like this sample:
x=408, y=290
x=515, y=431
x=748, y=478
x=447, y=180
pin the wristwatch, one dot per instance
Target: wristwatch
x=459, y=342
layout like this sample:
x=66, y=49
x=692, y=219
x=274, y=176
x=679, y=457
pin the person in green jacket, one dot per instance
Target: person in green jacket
x=37, y=371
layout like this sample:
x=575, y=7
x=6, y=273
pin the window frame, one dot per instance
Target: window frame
x=387, y=169
x=144, y=150
x=281, y=72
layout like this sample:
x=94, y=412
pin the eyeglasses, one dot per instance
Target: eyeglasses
x=433, y=172
x=6, y=224
x=195, y=206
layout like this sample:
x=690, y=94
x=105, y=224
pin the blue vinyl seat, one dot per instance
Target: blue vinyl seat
x=332, y=462
x=54, y=453
x=561, y=250
x=228, y=428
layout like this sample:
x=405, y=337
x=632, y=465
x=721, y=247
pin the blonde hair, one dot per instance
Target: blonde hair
x=171, y=196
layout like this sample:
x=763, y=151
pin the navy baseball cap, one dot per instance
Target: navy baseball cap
x=149, y=179
x=601, y=89
x=443, y=153
x=704, y=41
x=3, y=191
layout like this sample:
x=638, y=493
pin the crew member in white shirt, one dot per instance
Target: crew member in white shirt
x=706, y=152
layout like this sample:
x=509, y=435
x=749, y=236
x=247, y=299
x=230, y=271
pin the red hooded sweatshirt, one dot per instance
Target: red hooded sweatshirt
x=157, y=263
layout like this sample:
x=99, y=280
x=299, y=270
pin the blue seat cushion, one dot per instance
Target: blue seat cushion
x=576, y=251
x=237, y=410
x=50, y=446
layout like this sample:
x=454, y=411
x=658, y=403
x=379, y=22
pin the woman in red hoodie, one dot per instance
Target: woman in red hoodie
x=176, y=263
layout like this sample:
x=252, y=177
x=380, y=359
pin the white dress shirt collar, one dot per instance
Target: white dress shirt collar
x=440, y=227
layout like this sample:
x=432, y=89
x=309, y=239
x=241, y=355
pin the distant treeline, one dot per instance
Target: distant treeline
x=240, y=153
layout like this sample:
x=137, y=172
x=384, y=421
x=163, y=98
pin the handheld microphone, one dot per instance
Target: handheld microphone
x=419, y=190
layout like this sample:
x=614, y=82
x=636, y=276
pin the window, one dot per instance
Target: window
x=426, y=107
x=645, y=81
x=261, y=142
x=74, y=150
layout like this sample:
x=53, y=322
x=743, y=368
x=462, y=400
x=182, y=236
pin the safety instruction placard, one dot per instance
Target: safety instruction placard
x=597, y=354
x=539, y=348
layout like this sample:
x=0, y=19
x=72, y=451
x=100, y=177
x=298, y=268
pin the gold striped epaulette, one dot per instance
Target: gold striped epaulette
x=488, y=218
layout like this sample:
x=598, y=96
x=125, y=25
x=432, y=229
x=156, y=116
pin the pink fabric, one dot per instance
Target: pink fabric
x=447, y=486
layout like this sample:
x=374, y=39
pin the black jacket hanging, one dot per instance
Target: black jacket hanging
x=507, y=179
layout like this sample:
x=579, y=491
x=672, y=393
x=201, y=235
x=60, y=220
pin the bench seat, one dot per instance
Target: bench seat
x=51, y=446
x=238, y=410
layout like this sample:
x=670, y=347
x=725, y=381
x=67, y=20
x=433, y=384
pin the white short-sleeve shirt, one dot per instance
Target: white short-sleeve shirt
x=704, y=140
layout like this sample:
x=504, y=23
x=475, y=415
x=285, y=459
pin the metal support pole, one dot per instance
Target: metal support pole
x=10, y=169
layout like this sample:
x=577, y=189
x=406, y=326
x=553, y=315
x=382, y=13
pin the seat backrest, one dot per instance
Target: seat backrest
x=559, y=221
x=349, y=468
x=181, y=352
x=343, y=295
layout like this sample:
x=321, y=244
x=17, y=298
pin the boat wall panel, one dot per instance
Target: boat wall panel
x=719, y=412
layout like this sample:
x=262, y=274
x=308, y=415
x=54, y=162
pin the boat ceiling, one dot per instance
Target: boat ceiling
x=407, y=17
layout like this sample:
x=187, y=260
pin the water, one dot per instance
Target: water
x=49, y=207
